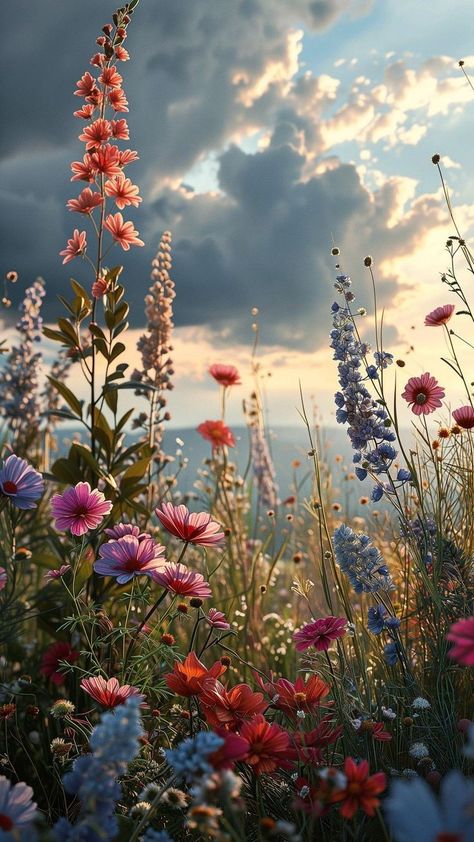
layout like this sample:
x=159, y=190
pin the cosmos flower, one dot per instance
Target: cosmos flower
x=216, y=619
x=17, y=811
x=415, y=813
x=234, y=748
x=464, y=417
x=461, y=634
x=188, y=677
x=86, y=201
x=225, y=375
x=128, y=557
x=123, y=232
x=308, y=746
x=192, y=527
x=121, y=529
x=20, y=482
x=269, y=745
x=304, y=694
x=57, y=573
x=79, y=509
x=361, y=790
x=217, y=433
x=320, y=633
x=440, y=315
x=75, y=246
x=123, y=191
x=50, y=662
x=228, y=708
x=178, y=579
x=108, y=692
x=423, y=394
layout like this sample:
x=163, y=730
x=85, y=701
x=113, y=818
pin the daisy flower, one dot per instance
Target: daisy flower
x=79, y=509
x=423, y=394
x=320, y=633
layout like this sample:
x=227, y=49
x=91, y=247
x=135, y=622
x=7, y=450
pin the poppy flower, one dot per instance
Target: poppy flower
x=50, y=662
x=320, y=633
x=108, y=692
x=464, y=417
x=178, y=579
x=188, y=677
x=440, y=315
x=461, y=634
x=225, y=375
x=192, y=527
x=423, y=394
x=228, y=708
x=217, y=433
x=269, y=745
x=361, y=790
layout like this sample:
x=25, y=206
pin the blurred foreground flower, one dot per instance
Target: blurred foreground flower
x=461, y=634
x=20, y=482
x=217, y=433
x=414, y=812
x=17, y=811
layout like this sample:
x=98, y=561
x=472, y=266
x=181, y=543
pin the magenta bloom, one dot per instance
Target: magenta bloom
x=226, y=375
x=216, y=619
x=108, y=692
x=79, y=509
x=121, y=529
x=320, y=633
x=51, y=661
x=128, y=557
x=461, y=634
x=178, y=579
x=192, y=527
x=440, y=315
x=464, y=417
x=57, y=573
x=3, y=578
x=20, y=482
x=423, y=394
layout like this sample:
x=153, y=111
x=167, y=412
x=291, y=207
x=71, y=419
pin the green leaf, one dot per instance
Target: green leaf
x=81, y=293
x=68, y=396
x=137, y=470
x=117, y=350
x=57, y=335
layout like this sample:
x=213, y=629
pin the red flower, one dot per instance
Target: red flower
x=110, y=77
x=268, y=745
x=361, y=790
x=228, y=708
x=123, y=232
x=123, y=191
x=304, y=694
x=75, y=246
x=461, y=634
x=178, y=579
x=127, y=156
x=85, y=85
x=117, y=99
x=86, y=201
x=83, y=170
x=119, y=129
x=308, y=745
x=192, y=527
x=121, y=53
x=86, y=112
x=217, y=433
x=464, y=417
x=423, y=394
x=105, y=160
x=188, y=677
x=235, y=748
x=50, y=662
x=226, y=375
x=108, y=692
x=96, y=133
x=440, y=315
x=320, y=633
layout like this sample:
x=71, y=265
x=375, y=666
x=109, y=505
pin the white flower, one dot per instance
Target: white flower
x=300, y=714
x=420, y=703
x=356, y=723
x=418, y=751
x=388, y=713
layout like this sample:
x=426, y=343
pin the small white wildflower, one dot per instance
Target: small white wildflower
x=388, y=713
x=335, y=776
x=418, y=751
x=294, y=776
x=304, y=791
x=300, y=714
x=409, y=773
x=420, y=703
x=356, y=723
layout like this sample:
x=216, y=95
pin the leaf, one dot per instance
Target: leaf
x=68, y=396
x=111, y=399
x=81, y=293
x=135, y=384
x=68, y=329
x=65, y=472
x=57, y=335
x=117, y=350
x=137, y=470
x=123, y=420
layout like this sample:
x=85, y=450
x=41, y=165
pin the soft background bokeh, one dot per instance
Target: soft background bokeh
x=267, y=131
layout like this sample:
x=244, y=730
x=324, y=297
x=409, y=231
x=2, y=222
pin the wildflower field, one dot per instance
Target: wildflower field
x=229, y=663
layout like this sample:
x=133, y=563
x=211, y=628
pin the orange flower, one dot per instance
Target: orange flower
x=122, y=232
x=188, y=677
x=268, y=745
x=123, y=191
x=229, y=708
x=302, y=695
x=361, y=789
x=217, y=433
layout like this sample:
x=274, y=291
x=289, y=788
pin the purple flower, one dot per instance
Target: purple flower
x=390, y=653
x=17, y=811
x=376, y=621
x=128, y=557
x=20, y=482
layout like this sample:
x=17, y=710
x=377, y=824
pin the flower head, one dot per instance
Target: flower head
x=108, y=692
x=226, y=375
x=178, y=579
x=192, y=527
x=216, y=619
x=123, y=232
x=51, y=661
x=79, y=509
x=96, y=133
x=228, y=708
x=191, y=757
x=440, y=315
x=217, y=433
x=423, y=394
x=268, y=744
x=461, y=634
x=75, y=246
x=188, y=677
x=360, y=561
x=361, y=790
x=320, y=633
x=17, y=811
x=86, y=201
x=57, y=573
x=464, y=417
x=20, y=482
x=128, y=557
x=305, y=694
x=123, y=191
x=414, y=812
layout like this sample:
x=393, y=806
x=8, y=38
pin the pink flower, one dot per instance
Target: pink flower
x=79, y=509
x=192, y=527
x=3, y=578
x=121, y=53
x=123, y=191
x=108, y=692
x=51, y=575
x=464, y=416
x=83, y=170
x=423, y=394
x=320, y=633
x=122, y=232
x=75, y=246
x=128, y=156
x=217, y=433
x=226, y=375
x=461, y=634
x=105, y=160
x=216, y=619
x=128, y=557
x=121, y=529
x=117, y=99
x=85, y=85
x=440, y=315
x=85, y=113
x=120, y=129
x=96, y=133
x=110, y=77
x=178, y=579
x=86, y=201
x=50, y=662
x=99, y=287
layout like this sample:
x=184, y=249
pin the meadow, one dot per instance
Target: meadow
x=212, y=658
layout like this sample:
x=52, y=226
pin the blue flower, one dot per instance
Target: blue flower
x=189, y=758
x=20, y=482
x=360, y=561
x=390, y=652
x=392, y=623
x=376, y=621
x=18, y=812
x=414, y=812
x=403, y=475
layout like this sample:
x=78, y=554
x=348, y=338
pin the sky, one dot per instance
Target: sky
x=268, y=131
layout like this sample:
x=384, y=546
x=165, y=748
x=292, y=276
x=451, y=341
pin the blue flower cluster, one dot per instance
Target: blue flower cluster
x=379, y=620
x=93, y=779
x=190, y=759
x=360, y=561
x=369, y=425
